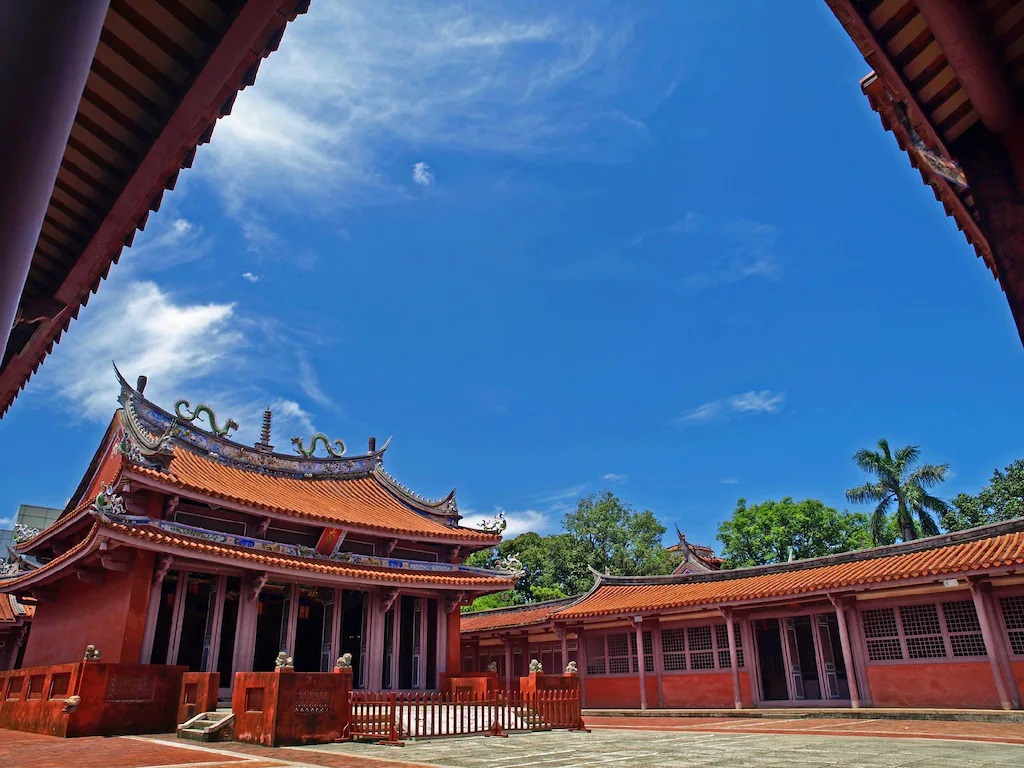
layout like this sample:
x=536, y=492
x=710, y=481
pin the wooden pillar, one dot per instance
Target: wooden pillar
x=336, y=649
x=48, y=52
x=988, y=633
x=659, y=655
x=215, y=623
x=508, y=661
x=637, y=622
x=581, y=663
x=847, y=646
x=176, y=617
x=730, y=630
x=751, y=661
x=245, y=626
x=375, y=643
x=1003, y=645
x=160, y=569
x=293, y=621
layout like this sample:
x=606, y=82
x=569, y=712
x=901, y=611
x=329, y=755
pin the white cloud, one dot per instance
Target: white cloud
x=762, y=401
x=311, y=385
x=354, y=80
x=422, y=175
x=558, y=497
x=146, y=331
x=730, y=481
x=612, y=477
x=519, y=522
x=251, y=277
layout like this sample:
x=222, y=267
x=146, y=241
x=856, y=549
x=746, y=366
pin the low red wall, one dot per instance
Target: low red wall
x=284, y=707
x=116, y=699
x=703, y=690
x=469, y=682
x=542, y=682
x=618, y=692
x=198, y=694
x=967, y=684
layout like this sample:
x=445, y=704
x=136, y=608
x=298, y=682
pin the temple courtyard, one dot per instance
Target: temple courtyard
x=655, y=742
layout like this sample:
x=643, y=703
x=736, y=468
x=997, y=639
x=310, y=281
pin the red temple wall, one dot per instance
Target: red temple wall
x=1018, y=674
x=453, y=662
x=960, y=684
x=111, y=616
x=609, y=692
x=106, y=471
x=707, y=689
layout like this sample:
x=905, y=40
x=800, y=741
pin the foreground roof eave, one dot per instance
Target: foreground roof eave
x=547, y=618
x=874, y=553
x=25, y=581
x=230, y=67
x=173, y=486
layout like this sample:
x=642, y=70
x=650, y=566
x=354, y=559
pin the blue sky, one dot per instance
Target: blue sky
x=664, y=248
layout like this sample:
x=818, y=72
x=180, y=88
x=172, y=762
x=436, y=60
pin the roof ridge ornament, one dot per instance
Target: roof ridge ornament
x=337, y=452
x=181, y=410
x=495, y=524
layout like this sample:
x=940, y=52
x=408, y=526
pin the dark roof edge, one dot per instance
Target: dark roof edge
x=561, y=602
x=932, y=542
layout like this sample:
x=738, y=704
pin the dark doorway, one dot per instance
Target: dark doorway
x=228, y=627
x=387, y=679
x=410, y=636
x=269, y=617
x=308, y=632
x=431, y=681
x=162, y=636
x=353, y=632
x=200, y=593
x=804, y=659
x=771, y=661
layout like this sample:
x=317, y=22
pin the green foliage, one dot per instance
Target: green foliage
x=1002, y=499
x=901, y=488
x=602, y=533
x=772, y=531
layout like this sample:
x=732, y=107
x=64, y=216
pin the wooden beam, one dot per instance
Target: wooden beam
x=90, y=576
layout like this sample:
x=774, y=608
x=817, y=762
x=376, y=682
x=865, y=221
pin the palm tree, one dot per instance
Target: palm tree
x=901, y=482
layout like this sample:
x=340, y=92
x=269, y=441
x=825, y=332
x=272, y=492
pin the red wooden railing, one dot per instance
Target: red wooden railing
x=390, y=718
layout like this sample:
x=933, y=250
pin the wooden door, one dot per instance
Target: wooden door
x=791, y=651
x=327, y=636
x=826, y=657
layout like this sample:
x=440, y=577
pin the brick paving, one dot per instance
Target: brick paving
x=656, y=742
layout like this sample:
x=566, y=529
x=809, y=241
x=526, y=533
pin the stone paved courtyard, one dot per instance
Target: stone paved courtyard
x=662, y=743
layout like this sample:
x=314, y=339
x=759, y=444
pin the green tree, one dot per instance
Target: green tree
x=609, y=536
x=900, y=487
x=1002, y=499
x=775, y=531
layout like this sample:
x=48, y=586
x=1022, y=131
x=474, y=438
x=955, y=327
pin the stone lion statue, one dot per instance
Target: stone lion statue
x=535, y=666
x=570, y=668
x=92, y=653
x=284, y=661
x=492, y=667
x=344, y=661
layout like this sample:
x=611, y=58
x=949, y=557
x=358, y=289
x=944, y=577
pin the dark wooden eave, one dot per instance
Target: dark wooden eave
x=952, y=72
x=164, y=72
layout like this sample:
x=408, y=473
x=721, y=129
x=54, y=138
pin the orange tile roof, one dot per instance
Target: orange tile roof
x=266, y=559
x=517, y=616
x=618, y=596
x=362, y=502
x=7, y=614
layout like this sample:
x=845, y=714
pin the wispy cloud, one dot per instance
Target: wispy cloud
x=252, y=278
x=422, y=175
x=730, y=481
x=762, y=401
x=612, y=477
x=562, y=494
x=310, y=384
x=356, y=79
x=746, y=250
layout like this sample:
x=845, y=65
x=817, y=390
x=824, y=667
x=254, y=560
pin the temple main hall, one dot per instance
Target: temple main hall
x=181, y=546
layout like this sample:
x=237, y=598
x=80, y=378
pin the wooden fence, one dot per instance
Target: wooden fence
x=390, y=718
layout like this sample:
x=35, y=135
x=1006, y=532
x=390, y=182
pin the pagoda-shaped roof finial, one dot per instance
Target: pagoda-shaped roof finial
x=264, y=443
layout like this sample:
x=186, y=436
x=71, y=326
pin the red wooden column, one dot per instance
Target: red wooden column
x=581, y=663
x=508, y=661
x=730, y=629
x=637, y=622
x=176, y=617
x=659, y=655
x=48, y=49
x=563, y=637
x=1007, y=698
x=844, y=641
x=217, y=620
x=160, y=569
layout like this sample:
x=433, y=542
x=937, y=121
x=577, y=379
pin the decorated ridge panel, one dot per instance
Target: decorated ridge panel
x=298, y=550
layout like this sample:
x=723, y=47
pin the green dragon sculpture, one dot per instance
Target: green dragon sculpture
x=319, y=437
x=181, y=409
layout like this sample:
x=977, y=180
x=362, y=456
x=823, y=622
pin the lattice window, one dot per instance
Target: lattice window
x=1013, y=620
x=722, y=642
x=702, y=647
x=254, y=699
x=308, y=700
x=59, y=685
x=965, y=638
x=923, y=631
x=36, y=684
x=596, y=661
x=14, y=687
x=673, y=650
x=882, y=634
x=619, y=653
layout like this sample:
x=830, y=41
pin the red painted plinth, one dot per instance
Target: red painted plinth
x=113, y=699
x=469, y=682
x=284, y=708
x=539, y=681
x=198, y=694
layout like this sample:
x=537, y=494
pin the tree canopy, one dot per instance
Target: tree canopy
x=1002, y=499
x=602, y=533
x=901, y=488
x=776, y=531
